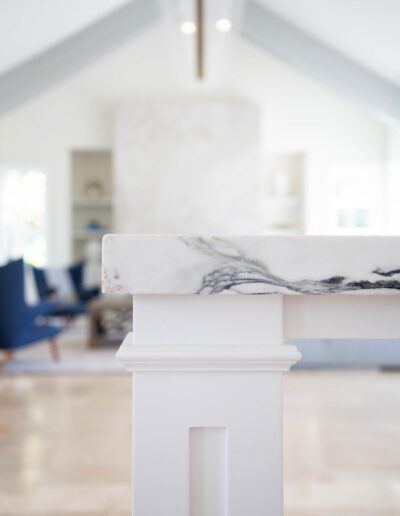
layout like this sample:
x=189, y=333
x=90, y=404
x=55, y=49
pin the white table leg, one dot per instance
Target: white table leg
x=207, y=424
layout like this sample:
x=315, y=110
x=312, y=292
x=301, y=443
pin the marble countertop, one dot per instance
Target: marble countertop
x=174, y=264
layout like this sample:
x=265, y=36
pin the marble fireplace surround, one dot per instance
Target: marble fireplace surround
x=208, y=352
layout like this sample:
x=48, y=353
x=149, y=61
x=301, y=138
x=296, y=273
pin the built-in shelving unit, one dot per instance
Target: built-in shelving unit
x=283, y=200
x=92, y=204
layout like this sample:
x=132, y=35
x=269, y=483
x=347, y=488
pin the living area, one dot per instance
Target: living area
x=249, y=117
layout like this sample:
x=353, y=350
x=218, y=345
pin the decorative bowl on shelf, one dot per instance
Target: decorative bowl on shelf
x=93, y=189
x=94, y=225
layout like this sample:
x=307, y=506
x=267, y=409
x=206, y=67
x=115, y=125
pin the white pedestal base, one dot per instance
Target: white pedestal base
x=207, y=424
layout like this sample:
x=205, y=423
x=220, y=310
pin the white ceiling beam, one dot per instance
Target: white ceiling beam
x=63, y=60
x=321, y=62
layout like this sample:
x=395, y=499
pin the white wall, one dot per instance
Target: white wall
x=392, y=183
x=298, y=115
x=393, y=145
x=41, y=135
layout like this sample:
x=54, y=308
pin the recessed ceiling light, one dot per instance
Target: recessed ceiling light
x=188, y=27
x=223, y=25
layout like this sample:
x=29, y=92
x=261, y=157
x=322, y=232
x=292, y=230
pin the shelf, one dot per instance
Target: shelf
x=88, y=235
x=82, y=202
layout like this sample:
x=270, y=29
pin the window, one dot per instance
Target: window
x=23, y=215
x=356, y=198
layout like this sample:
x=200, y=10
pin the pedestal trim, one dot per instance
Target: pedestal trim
x=194, y=358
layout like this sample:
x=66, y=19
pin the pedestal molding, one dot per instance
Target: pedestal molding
x=194, y=358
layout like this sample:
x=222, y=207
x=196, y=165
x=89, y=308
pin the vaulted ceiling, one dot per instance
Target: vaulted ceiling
x=349, y=45
x=366, y=31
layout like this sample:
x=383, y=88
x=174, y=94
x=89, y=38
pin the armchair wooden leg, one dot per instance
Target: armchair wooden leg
x=8, y=355
x=68, y=320
x=54, y=349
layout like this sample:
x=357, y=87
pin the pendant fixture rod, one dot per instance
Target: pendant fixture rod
x=200, y=39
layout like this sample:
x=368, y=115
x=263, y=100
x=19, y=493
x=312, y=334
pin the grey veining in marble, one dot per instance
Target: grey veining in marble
x=151, y=264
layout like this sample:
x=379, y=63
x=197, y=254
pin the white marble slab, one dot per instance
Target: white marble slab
x=156, y=264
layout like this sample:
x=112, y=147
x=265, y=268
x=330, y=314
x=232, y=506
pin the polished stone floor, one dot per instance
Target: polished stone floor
x=65, y=444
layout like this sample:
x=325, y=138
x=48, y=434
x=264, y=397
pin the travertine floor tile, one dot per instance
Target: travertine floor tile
x=65, y=445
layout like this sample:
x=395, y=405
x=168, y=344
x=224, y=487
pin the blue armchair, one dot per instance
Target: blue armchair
x=19, y=325
x=84, y=294
x=46, y=291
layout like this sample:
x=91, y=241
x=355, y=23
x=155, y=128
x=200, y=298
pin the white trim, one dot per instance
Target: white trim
x=309, y=55
x=195, y=358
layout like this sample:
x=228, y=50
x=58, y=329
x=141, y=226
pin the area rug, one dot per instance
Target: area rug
x=76, y=357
